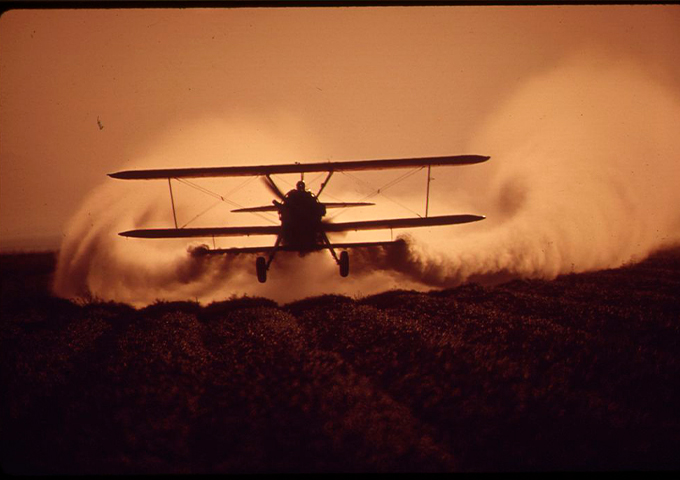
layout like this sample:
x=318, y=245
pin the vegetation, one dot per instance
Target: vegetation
x=577, y=373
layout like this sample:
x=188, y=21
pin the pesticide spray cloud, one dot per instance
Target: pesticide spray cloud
x=583, y=176
x=95, y=262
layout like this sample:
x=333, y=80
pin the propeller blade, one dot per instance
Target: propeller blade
x=266, y=208
x=272, y=187
x=346, y=204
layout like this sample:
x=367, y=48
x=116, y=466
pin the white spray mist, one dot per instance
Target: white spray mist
x=584, y=175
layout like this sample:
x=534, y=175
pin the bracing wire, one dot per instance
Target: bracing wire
x=202, y=213
x=239, y=187
x=374, y=192
x=325, y=193
x=381, y=190
x=221, y=198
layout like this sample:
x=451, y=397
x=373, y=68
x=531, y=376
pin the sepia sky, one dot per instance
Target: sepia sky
x=88, y=92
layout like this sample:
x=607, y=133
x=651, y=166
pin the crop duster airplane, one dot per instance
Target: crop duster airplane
x=301, y=213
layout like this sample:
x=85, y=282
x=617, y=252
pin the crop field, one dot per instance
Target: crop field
x=579, y=373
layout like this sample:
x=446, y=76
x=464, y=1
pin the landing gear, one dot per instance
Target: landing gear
x=261, y=267
x=262, y=264
x=344, y=264
x=342, y=261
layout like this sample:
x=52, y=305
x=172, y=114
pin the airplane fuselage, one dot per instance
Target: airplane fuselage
x=300, y=214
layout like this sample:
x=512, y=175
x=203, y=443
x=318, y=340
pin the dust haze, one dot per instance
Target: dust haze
x=583, y=176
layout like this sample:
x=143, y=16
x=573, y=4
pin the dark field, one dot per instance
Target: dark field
x=580, y=373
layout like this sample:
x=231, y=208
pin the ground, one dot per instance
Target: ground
x=579, y=373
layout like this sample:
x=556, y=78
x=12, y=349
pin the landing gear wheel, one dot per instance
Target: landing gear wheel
x=261, y=267
x=344, y=264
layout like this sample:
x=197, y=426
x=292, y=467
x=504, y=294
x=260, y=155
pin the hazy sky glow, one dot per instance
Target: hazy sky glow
x=330, y=83
x=577, y=106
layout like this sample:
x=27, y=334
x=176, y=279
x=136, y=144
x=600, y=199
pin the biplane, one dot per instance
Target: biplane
x=302, y=227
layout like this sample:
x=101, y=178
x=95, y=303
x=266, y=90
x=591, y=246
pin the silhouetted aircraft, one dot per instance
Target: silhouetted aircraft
x=300, y=211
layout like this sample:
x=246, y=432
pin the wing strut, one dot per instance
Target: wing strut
x=172, y=201
x=427, y=198
x=323, y=185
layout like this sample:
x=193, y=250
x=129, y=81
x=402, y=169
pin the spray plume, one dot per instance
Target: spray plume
x=583, y=176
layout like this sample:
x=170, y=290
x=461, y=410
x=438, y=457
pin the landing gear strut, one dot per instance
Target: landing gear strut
x=342, y=261
x=262, y=264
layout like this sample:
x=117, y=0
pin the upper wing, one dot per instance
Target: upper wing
x=201, y=232
x=297, y=167
x=402, y=223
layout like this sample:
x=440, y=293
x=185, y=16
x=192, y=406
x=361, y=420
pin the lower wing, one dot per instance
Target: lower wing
x=201, y=232
x=275, y=230
x=402, y=223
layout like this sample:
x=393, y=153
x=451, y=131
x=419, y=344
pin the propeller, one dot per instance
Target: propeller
x=271, y=186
